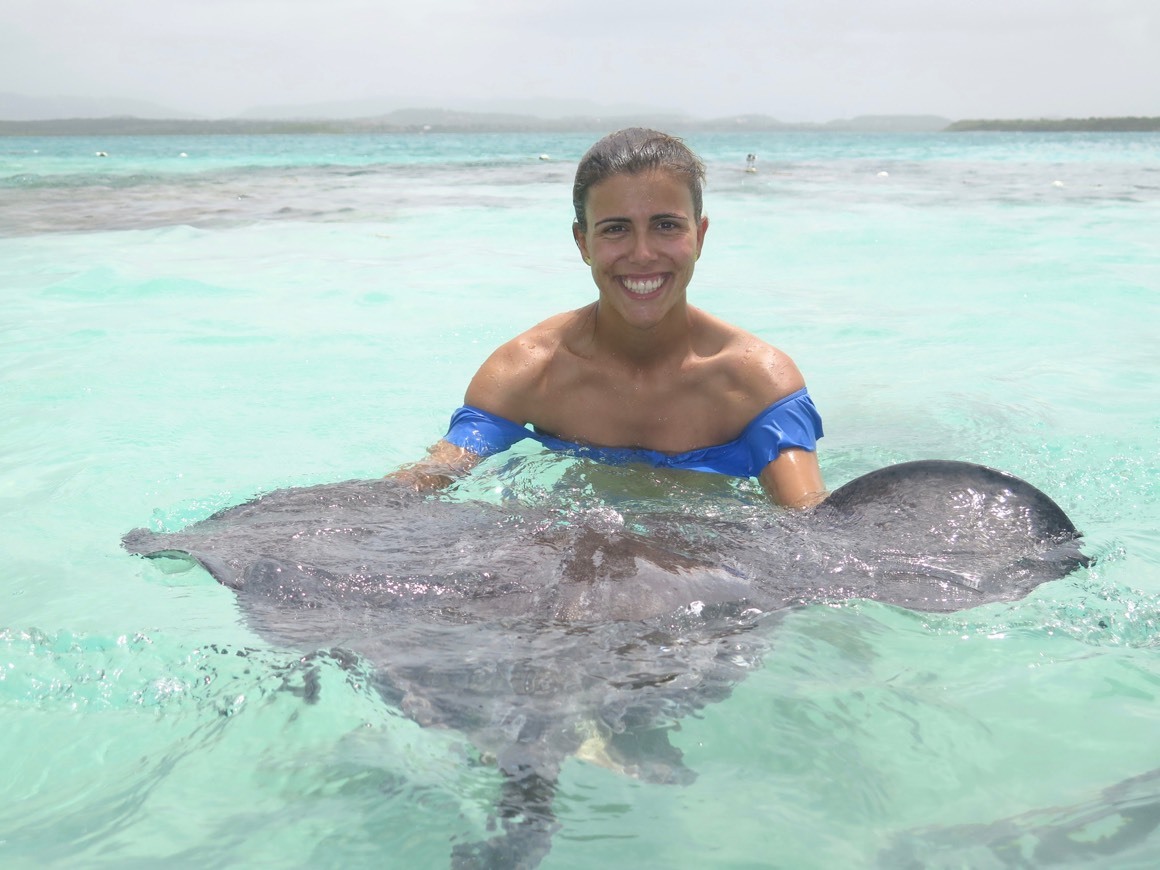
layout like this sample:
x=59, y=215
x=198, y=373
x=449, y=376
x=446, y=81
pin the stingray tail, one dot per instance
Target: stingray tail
x=525, y=811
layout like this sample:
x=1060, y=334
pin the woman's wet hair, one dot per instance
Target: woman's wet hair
x=632, y=151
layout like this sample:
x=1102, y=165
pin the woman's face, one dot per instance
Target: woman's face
x=642, y=243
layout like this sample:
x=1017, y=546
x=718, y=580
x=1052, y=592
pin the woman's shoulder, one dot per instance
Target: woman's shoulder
x=750, y=365
x=514, y=370
x=537, y=344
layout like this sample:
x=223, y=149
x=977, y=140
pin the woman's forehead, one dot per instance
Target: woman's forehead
x=652, y=190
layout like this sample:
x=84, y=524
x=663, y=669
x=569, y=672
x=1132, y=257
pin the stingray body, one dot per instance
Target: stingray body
x=546, y=633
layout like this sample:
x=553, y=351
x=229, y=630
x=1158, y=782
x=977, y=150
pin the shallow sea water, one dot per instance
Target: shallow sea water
x=182, y=333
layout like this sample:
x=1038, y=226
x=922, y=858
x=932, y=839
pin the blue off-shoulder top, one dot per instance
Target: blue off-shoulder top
x=789, y=422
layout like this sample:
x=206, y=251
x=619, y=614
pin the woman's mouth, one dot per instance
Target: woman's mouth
x=642, y=288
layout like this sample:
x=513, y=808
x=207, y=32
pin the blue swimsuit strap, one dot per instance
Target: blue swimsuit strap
x=789, y=422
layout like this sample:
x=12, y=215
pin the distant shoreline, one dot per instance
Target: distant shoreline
x=419, y=121
x=447, y=121
x=1059, y=125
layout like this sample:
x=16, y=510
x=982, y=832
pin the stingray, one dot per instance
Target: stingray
x=1117, y=825
x=546, y=632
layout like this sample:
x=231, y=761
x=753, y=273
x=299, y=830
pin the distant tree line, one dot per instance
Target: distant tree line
x=1061, y=125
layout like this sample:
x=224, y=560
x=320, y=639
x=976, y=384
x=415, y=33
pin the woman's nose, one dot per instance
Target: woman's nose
x=642, y=248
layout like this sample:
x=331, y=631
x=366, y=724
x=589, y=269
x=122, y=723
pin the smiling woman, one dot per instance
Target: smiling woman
x=640, y=375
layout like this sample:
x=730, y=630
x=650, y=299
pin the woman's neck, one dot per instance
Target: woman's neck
x=658, y=345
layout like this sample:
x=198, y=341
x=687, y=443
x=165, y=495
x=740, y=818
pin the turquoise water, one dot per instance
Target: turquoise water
x=181, y=333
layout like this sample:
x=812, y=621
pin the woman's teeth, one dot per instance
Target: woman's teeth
x=647, y=285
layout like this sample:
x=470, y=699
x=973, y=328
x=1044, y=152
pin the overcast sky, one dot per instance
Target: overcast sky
x=797, y=60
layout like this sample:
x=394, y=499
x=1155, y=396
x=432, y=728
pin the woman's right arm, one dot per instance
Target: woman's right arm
x=499, y=390
x=444, y=464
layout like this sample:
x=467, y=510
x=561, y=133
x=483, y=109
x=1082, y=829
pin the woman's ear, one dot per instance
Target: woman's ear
x=581, y=242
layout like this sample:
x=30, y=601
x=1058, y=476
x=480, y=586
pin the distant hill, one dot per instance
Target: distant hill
x=553, y=107
x=1060, y=125
x=860, y=124
x=335, y=110
x=450, y=120
x=399, y=121
x=16, y=107
x=537, y=107
x=128, y=126
x=891, y=124
x=21, y=115
x=428, y=120
x=64, y=116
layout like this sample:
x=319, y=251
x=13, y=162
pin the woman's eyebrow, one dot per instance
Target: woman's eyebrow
x=670, y=215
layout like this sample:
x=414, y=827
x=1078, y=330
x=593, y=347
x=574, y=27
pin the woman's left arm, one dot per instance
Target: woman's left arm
x=794, y=479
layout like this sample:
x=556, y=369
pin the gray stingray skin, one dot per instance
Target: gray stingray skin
x=533, y=629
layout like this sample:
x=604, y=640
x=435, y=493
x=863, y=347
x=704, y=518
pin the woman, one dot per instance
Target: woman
x=640, y=375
